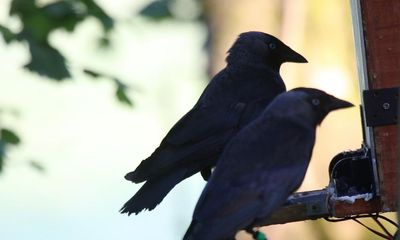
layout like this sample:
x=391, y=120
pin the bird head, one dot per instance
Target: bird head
x=306, y=105
x=320, y=103
x=261, y=48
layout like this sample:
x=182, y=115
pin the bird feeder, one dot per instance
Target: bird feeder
x=363, y=181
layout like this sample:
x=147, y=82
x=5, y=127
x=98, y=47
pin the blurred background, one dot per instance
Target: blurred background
x=89, y=88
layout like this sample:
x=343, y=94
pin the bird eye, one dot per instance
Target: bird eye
x=272, y=46
x=315, y=101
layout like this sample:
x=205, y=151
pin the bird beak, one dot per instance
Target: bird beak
x=292, y=56
x=337, y=103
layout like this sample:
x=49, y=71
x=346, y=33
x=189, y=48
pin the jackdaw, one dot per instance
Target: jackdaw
x=234, y=97
x=262, y=165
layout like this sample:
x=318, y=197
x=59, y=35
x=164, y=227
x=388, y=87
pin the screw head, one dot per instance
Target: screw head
x=386, y=106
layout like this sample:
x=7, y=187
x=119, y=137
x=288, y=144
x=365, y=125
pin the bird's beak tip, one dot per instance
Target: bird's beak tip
x=301, y=59
x=339, y=104
x=349, y=104
x=297, y=58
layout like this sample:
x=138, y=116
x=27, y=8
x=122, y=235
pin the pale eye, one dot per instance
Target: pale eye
x=315, y=101
x=272, y=46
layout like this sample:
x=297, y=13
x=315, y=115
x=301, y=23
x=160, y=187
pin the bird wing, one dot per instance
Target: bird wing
x=203, y=122
x=258, y=170
x=218, y=109
x=199, y=136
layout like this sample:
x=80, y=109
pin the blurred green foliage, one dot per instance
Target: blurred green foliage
x=120, y=86
x=157, y=10
x=38, y=22
x=173, y=9
x=7, y=139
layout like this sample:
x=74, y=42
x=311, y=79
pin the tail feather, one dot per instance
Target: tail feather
x=167, y=157
x=153, y=192
x=141, y=173
x=161, y=160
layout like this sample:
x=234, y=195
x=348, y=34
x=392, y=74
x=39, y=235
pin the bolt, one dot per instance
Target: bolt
x=386, y=106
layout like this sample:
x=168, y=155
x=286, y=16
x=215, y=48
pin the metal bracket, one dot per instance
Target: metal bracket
x=351, y=173
x=381, y=106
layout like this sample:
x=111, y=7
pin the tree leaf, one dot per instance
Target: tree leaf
x=157, y=10
x=34, y=22
x=39, y=21
x=96, y=11
x=2, y=154
x=47, y=61
x=92, y=73
x=37, y=166
x=121, y=94
x=104, y=41
x=8, y=36
x=22, y=7
x=9, y=137
x=61, y=9
x=65, y=14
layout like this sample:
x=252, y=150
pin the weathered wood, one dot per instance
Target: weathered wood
x=360, y=206
x=381, y=25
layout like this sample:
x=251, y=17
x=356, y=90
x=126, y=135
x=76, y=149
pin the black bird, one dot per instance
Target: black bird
x=235, y=96
x=262, y=165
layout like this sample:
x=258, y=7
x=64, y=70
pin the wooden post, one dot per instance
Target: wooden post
x=381, y=28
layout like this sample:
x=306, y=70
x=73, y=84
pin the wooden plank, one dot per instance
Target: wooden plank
x=381, y=22
x=343, y=209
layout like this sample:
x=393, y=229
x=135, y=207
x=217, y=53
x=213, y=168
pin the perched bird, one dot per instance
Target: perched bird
x=234, y=97
x=262, y=165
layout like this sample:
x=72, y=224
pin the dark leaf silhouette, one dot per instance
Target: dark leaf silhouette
x=92, y=73
x=2, y=154
x=122, y=95
x=47, y=61
x=9, y=137
x=8, y=36
x=157, y=10
x=96, y=11
x=37, y=166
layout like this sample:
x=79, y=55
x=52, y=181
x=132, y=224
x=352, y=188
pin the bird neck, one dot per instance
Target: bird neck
x=252, y=69
x=259, y=81
x=293, y=109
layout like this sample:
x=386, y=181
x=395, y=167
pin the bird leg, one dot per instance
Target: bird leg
x=257, y=235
